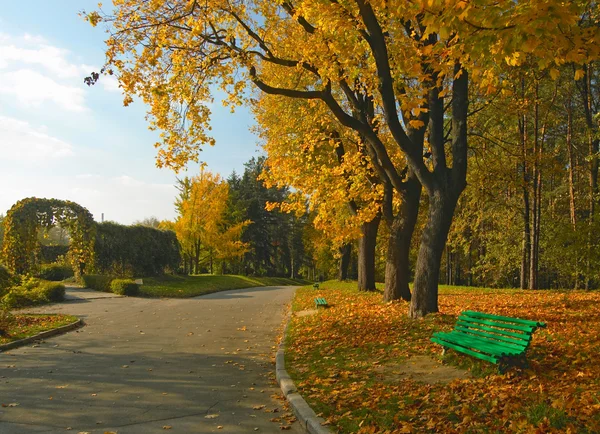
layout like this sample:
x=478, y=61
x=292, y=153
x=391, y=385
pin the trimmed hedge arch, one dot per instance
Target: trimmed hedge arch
x=20, y=249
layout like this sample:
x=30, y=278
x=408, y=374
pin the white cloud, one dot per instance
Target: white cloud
x=34, y=72
x=31, y=89
x=20, y=140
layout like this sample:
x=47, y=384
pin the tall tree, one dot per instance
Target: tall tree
x=381, y=68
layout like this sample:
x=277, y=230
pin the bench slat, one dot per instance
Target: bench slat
x=505, y=318
x=508, y=341
x=517, y=336
x=465, y=350
x=523, y=329
x=486, y=346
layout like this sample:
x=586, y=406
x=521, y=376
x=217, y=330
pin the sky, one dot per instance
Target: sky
x=62, y=139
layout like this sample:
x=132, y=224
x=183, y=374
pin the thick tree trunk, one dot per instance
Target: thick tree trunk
x=433, y=241
x=444, y=189
x=366, y=255
x=346, y=253
x=397, y=266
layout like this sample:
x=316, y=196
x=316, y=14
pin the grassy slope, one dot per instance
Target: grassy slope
x=27, y=325
x=340, y=359
x=191, y=286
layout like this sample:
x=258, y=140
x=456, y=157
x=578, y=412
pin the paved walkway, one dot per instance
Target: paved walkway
x=151, y=366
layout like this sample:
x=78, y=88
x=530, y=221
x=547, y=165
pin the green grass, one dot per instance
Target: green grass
x=27, y=325
x=191, y=286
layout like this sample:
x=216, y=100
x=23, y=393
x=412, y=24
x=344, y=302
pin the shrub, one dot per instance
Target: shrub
x=6, y=320
x=6, y=280
x=124, y=287
x=52, y=291
x=55, y=272
x=32, y=292
x=97, y=281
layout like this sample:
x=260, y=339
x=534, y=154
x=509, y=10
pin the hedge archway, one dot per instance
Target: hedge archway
x=20, y=248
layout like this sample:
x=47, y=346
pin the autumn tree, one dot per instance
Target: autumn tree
x=322, y=161
x=397, y=69
x=201, y=227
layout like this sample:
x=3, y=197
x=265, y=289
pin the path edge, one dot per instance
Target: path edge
x=42, y=335
x=311, y=423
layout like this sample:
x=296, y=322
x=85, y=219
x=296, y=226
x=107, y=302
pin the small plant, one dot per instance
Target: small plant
x=55, y=272
x=6, y=320
x=124, y=287
x=98, y=282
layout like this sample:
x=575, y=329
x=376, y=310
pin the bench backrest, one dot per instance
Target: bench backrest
x=512, y=332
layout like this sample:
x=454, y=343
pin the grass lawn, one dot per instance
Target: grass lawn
x=346, y=362
x=191, y=286
x=27, y=325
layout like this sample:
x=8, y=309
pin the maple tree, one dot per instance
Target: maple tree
x=314, y=161
x=383, y=69
x=201, y=226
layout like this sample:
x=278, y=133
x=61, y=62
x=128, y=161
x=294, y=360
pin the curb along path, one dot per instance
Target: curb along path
x=306, y=415
x=42, y=335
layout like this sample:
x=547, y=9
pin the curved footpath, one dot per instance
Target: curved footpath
x=148, y=365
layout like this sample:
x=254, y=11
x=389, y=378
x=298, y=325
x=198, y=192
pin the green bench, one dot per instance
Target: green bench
x=320, y=302
x=315, y=285
x=497, y=339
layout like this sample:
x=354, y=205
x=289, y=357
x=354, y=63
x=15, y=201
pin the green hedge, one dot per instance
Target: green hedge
x=124, y=287
x=135, y=250
x=32, y=292
x=55, y=272
x=97, y=281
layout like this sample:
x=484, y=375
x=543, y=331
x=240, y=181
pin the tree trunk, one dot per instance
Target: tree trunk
x=526, y=247
x=346, y=252
x=433, y=241
x=366, y=255
x=444, y=189
x=397, y=266
x=571, y=163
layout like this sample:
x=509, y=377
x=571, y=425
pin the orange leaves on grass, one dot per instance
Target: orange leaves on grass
x=343, y=361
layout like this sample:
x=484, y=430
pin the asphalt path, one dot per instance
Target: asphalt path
x=142, y=365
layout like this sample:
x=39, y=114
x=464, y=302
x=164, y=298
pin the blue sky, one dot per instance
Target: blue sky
x=61, y=139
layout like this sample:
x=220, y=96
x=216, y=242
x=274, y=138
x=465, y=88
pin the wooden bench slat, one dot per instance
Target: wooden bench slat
x=505, y=318
x=488, y=347
x=519, y=343
x=518, y=336
x=320, y=301
x=523, y=329
x=465, y=350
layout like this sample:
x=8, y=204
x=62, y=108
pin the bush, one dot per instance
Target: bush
x=52, y=291
x=6, y=280
x=32, y=292
x=124, y=287
x=55, y=272
x=6, y=320
x=97, y=281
